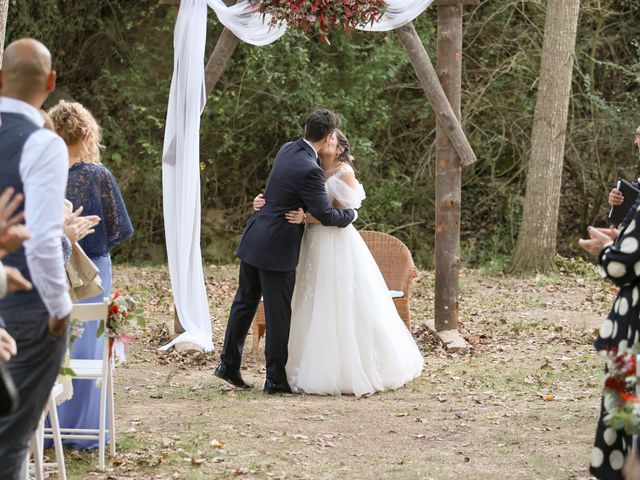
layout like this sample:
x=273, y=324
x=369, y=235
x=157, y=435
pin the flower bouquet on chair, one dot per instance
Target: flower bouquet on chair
x=123, y=320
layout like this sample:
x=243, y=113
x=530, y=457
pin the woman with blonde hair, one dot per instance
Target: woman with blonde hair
x=91, y=186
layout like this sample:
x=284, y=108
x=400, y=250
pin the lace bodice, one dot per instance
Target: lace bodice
x=342, y=194
x=94, y=188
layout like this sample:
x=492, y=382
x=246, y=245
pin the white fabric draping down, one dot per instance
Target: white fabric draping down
x=181, y=153
x=181, y=176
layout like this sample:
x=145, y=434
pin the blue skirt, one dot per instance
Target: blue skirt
x=83, y=409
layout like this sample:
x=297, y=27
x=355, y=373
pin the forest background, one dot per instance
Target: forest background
x=116, y=57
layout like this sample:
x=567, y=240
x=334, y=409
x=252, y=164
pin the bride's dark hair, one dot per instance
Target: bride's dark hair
x=343, y=143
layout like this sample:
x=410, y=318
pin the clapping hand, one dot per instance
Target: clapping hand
x=77, y=227
x=9, y=203
x=7, y=346
x=15, y=281
x=12, y=232
x=598, y=239
x=13, y=239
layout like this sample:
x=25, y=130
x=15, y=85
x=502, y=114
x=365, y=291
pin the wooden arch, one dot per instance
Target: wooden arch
x=443, y=90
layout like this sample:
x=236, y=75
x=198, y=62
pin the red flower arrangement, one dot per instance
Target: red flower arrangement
x=620, y=400
x=324, y=15
x=124, y=315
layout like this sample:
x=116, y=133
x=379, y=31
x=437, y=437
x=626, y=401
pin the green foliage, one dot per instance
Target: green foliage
x=576, y=266
x=115, y=56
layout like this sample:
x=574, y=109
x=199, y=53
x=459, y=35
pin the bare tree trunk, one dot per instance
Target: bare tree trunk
x=448, y=172
x=536, y=247
x=419, y=57
x=4, y=13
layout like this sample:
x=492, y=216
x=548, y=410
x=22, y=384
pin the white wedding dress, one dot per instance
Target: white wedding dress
x=346, y=336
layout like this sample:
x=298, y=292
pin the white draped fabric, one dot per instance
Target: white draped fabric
x=181, y=175
x=181, y=153
x=247, y=26
x=397, y=14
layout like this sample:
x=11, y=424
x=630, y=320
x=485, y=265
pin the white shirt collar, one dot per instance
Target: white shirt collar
x=12, y=105
x=308, y=143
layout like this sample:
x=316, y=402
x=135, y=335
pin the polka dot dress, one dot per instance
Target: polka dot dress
x=619, y=262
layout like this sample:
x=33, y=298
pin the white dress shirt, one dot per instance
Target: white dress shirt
x=44, y=168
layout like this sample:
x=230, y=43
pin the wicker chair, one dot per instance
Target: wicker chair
x=396, y=264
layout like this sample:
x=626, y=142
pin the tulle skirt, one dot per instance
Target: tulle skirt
x=346, y=336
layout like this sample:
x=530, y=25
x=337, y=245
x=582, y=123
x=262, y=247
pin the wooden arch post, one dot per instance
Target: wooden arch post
x=448, y=174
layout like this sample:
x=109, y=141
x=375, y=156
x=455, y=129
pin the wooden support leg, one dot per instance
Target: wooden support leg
x=448, y=172
x=448, y=182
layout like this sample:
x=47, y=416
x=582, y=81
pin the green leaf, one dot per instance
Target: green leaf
x=100, y=330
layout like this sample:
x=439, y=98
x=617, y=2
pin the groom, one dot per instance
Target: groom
x=270, y=246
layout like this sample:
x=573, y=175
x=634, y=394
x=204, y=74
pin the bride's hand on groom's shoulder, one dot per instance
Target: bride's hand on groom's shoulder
x=259, y=202
x=299, y=216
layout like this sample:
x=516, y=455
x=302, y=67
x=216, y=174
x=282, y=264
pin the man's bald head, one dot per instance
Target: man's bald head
x=26, y=72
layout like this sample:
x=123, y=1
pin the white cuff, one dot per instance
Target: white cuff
x=4, y=286
x=59, y=307
x=355, y=217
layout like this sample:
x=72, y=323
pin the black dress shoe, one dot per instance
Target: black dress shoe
x=271, y=388
x=228, y=375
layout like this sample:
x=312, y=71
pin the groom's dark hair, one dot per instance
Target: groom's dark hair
x=319, y=124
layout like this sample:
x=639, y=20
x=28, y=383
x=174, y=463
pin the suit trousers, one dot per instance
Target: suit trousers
x=34, y=370
x=276, y=288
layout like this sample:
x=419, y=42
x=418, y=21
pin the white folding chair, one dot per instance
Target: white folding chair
x=94, y=370
x=37, y=440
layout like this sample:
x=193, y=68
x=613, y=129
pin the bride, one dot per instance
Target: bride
x=346, y=335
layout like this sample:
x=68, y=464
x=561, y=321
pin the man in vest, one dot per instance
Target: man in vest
x=34, y=162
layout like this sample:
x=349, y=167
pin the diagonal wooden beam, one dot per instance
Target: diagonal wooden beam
x=222, y=52
x=226, y=45
x=431, y=85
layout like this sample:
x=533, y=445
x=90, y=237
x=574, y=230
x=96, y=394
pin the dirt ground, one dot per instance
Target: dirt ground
x=520, y=404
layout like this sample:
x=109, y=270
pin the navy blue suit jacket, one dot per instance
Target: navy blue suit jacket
x=296, y=180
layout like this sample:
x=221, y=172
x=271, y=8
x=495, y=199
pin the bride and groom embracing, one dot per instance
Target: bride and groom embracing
x=331, y=325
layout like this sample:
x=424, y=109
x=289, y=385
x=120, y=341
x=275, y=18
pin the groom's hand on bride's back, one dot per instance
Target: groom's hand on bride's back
x=259, y=202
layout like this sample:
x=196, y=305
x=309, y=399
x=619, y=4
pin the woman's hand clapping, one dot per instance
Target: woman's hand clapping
x=77, y=227
x=598, y=239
